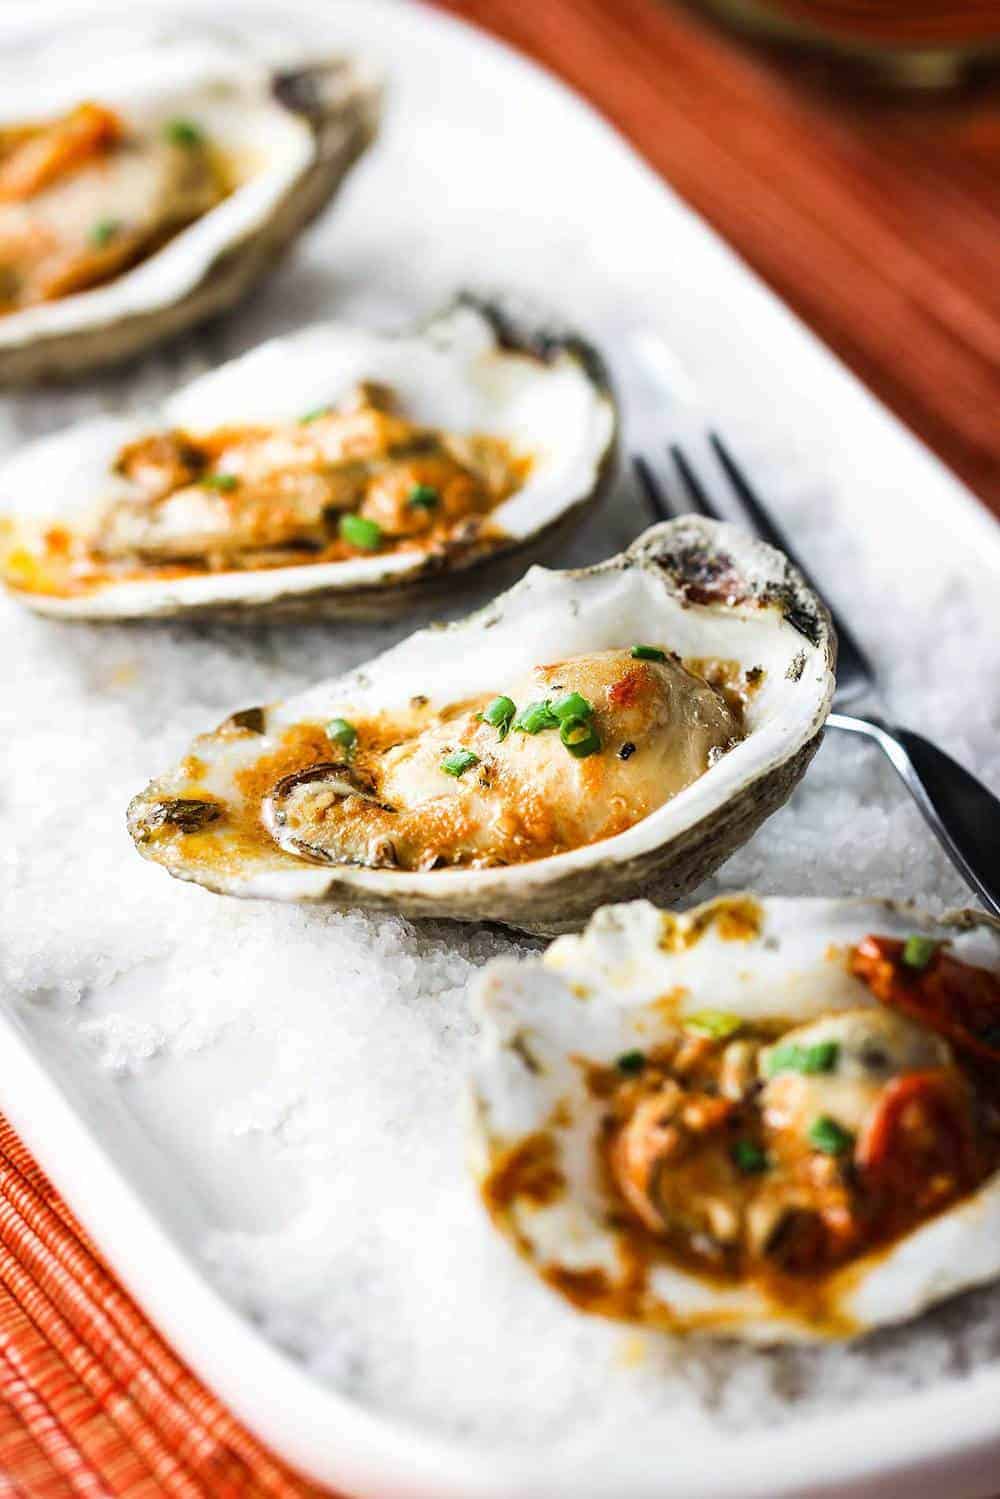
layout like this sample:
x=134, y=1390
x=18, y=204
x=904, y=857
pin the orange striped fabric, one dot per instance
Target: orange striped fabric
x=921, y=23
x=92, y=1401
x=876, y=219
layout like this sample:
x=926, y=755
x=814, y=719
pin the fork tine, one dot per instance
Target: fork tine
x=853, y=666
x=693, y=485
x=653, y=490
x=763, y=524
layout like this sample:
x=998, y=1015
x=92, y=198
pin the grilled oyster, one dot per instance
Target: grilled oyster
x=333, y=466
x=774, y=1120
x=150, y=192
x=589, y=734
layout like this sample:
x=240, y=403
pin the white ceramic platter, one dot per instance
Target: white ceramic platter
x=255, y=1112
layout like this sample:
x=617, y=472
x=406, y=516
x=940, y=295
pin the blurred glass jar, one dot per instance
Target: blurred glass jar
x=908, y=43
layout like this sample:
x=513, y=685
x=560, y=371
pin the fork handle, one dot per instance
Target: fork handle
x=962, y=812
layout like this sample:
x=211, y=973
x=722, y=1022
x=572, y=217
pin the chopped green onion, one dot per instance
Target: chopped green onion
x=458, y=762
x=580, y=737
x=573, y=705
x=648, y=653
x=536, y=717
x=829, y=1137
x=631, y=1062
x=314, y=415
x=225, y=482
x=749, y=1157
x=342, y=732
x=104, y=232
x=715, y=1023
x=360, y=532
x=423, y=497
x=822, y=1057
x=918, y=951
x=183, y=133
x=499, y=713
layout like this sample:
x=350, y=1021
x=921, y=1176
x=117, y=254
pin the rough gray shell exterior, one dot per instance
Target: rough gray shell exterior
x=341, y=109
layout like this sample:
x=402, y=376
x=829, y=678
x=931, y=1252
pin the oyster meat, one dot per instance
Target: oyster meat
x=681, y=696
x=149, y=192
x=775, y=1120
x=332, y=466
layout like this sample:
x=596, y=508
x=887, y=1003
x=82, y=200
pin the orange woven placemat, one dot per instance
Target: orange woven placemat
x=876, y=220
x=92, y=1401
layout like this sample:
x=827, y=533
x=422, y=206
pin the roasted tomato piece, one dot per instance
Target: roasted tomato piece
x=958, y=1001
x=918, y=1150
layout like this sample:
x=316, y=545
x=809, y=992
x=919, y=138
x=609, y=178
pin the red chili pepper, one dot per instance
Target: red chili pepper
x=958, y=1001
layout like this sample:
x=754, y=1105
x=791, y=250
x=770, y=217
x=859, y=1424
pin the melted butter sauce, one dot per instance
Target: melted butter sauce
x=733, y=918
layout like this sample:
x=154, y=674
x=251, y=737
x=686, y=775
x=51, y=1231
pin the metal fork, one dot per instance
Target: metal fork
x=961, y=812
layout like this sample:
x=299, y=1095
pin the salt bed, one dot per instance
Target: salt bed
x=300, y=1070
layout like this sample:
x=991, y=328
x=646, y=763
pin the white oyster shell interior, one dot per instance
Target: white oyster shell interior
x=594, y=996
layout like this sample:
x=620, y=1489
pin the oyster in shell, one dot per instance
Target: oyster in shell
x=775, y=1120
x=590, y=734
x=334, y=467
x=151, y=189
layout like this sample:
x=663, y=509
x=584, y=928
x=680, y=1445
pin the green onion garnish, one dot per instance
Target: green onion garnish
x=183, y=133
x=225, y=482
x=749, y=1157
x=918, y=951
x=822, y=1057
x=499, y=713
x=580, y=737
x=342, y=732
x=648, y=653
x=314, y=415
x=715, y=1023
x=829, y=1137
x=458, y=762
x=360, y=532
x=423, y=497
x=104, y=232
x=572, y=706
x=631, y=1062
x=536, y=717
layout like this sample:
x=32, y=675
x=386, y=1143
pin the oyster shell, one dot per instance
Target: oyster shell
x=519, y=422
x=526, y=831
x=698, y=1122
x=280, y=141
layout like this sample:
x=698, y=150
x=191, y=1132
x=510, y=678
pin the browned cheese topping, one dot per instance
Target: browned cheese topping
x=343, y=482
x=574, y=752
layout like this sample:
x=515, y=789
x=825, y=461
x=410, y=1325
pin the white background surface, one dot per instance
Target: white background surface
x=274, y=1093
